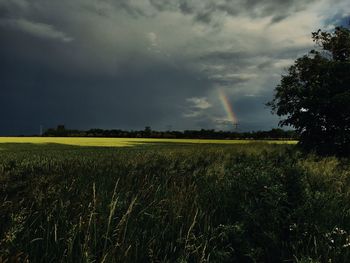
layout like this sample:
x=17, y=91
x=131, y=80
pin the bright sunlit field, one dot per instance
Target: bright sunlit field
x=121, y=142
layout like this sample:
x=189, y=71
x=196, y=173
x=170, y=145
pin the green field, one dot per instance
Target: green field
x=170, y=201
x=121, y=142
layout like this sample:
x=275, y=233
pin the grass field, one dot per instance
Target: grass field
x=170, y=202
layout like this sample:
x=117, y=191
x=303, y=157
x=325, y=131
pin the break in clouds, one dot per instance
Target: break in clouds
x=162, y=63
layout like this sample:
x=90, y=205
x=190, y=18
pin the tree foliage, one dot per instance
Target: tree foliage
x=314, y=95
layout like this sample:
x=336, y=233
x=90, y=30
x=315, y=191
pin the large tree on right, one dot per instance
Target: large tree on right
x=314, y=95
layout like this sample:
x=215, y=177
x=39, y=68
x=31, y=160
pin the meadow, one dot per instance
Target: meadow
x=87, y=200
x=122, y=142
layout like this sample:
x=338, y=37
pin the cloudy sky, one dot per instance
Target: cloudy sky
x=162, y=63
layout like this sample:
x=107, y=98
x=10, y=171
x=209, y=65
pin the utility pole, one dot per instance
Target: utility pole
x=41, y=130
x=235, y=124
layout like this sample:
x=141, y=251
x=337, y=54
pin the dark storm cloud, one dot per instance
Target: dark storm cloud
x=40, y=96
x=340, y=19
x=127, y=64
x=254, y=114
x=204, y=17
x=10, y=9
x=224, y=55
x=39, y=86
x=204, y=10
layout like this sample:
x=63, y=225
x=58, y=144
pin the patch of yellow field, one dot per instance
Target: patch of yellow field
x=122, y=142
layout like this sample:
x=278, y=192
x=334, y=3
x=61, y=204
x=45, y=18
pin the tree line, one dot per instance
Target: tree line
x=61, y=131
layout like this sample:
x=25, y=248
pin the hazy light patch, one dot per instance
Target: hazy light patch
x=192, y=114
x=252, y=95
x=199, y=103
x=283, y=63
x=37, y=29
x=197, y=107
x=152, y=37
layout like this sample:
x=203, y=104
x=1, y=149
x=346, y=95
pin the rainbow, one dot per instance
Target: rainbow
x=228, y=108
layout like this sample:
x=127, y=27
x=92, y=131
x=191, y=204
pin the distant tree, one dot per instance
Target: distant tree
x=147, y=131
x=60, y=127
x=314, y=97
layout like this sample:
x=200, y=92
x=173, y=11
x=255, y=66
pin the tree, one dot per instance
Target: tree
x=148, y=131
x=314, y=95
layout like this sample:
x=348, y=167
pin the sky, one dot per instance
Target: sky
x=168, y=64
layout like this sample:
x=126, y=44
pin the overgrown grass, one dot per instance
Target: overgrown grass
x=253, y=202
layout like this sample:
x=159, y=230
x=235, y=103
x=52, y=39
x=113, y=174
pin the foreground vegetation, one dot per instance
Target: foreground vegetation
x=253, y=202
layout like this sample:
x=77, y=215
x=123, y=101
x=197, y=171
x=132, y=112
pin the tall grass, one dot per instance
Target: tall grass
x=194, y=203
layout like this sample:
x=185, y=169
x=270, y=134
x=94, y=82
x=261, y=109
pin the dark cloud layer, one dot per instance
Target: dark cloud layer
x=127, y=64
x=205, y=10
x=41, y=88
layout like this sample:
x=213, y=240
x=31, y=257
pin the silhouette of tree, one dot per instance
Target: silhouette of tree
x=314, y=97
x=147, y=132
